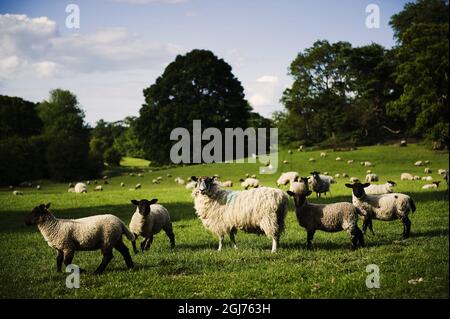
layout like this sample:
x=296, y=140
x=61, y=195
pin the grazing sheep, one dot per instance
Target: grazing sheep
x=344, y=175
x=102, y=232
x=416, y=178
x=434, y=185
x=371, y=177
x=226, y=184
x=384, y=207
x=323, y=154
x=17, y=193
x=261, y=210
x=140, y=175
x=367, y=164
x=285, y=162
x=131, y=174
x=88, y=182
x=329, y=218
x=169, y=175
x=380, y=189
x=148, y=220
x=180, y=181
x=418, y=163
x=253, y=176
x=159, y=178
x=138, y=186
x=122, y=184
x=312, y=159
x=105, y=177
x=98, y=188
x=325, y=173
x=320, y=183
x=403, y=143
x=427, y=170
x=406, y=177
x=191, y=185
x=427, y=178
x=247, y=175
x=337, y=175
x=80, y=188
x=350, y=162
x=38, y=187
x=354, y=180
x=338, y=158
x=300, y=187
x=287, y=178
x=155, y=181
x=442, y=171
x=427, y=162
x=249, y=182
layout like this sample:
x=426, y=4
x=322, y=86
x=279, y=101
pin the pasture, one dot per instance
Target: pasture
x=194, y=269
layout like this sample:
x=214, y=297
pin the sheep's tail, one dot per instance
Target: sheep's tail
x=412, y=204
x=127, y=233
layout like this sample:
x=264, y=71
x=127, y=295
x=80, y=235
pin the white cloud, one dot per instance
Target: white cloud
x=267, y=79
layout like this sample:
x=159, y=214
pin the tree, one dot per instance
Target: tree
x=422, y=31
x=197, y=85
x=18, y=118
x=128, y=143
x=112, y=157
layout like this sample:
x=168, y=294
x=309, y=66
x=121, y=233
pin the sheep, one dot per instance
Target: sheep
x=441, y=171
x=344, y=175
x=253, y=176
x=38, y=187
x=80, y=188
x=88, y=182
x=427, y=178
x=180, y=181
x=403, y=143
x=325, y=173
x=427, y=170
x=371, y=177
x=138, y=186
x=338, y=159
x=384, y=207
x=105, y=177
x=191, y=185
x=329, y=218
x=261, y=210
x=140, y=175
x=323, y=154
x=122, y=184
x=159, y=178
x=367, y=164
x=369, y=171
x=287, y=178
x=312, y=159
x=416, y=178
x=17, y=193
x=148, y=220
x=226, y=184
x=431, y=186
x=380, y=189
x=354, y=179
x=169, y=175
x=427, y=162
x=320, y=183
x=131, y=174
x=285, y=162
x=406, y=177
x=418, y=163
x=98, y=188
x=247, y=175
x=249, y=182
x=337, y=175
x=67, y=236
x=155, y=181
x=299, y=187
x=350, y=162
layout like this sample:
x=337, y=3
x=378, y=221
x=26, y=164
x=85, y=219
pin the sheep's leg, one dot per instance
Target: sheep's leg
x=169, y=232
x=371, y=226
x=120, y=246
x=134, y=244
x=107, y=256
x=143, y=243
x=148, y=243
x=68, y=257
x=367, y=223
x=232, y=237
x=275, y=241
x=360, y=236
x=309, y=238
x=356, y=237
x=406, y=227
x=221, y=237
x=59, y=260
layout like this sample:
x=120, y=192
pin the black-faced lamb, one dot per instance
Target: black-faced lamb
x=329, y=218
x=386, y=207
x=67, y=236
x=260, y=210
x=148, y=220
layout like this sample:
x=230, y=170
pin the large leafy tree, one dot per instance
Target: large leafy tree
x=197, y=85
x=422, y=31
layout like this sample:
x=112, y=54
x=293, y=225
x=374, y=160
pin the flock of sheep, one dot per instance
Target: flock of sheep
x=255, y=209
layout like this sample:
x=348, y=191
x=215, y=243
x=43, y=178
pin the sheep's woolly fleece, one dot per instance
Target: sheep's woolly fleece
x=145, y=226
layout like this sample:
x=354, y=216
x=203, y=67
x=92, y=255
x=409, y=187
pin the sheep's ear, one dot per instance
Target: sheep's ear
x=47, y=205
x=241, y=180
x=135, y=202
x=194, y=178
x=296, y=179
x=308, y=193
x=365, y=185
x=290, y=193
x=349, y=185
x=153, y=201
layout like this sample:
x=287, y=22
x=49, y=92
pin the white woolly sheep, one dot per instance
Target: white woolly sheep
x=140, y=175
x=122, y=184
x=416, y=178
x=323, y=154
x=226, y=184
x=320, y=183
x=371, y=177
x=17, y=193
x=427, y=162
x=427, y=178
x=418, y=163
x=325, y=173
x=354, y=180
x=98, y=188
x=148, y=220
x=159, y=178
x=380, y=189
x=249, y=182
x=287, y=178
x=427, y=170
x=312, y=159
x=88, y=182
x=350, y=162
x=105, y=177
x=169, y=175
x=253, y=176
x=80, y=188
x=406, y=177
x=155, y=181
x=337, y=175
x=344, y=175
x=38, y=187
x=138, y=186
x=369, y=171
x=384, y=207
x=285, y=162
x=441, y=171
x=261, y=210
x=434, y=185
x=368, y=164
x=102, y=232
x=338, y=158
x=180, y=181
x=329, y=218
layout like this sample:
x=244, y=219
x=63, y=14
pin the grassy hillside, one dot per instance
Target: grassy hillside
x=195, y=270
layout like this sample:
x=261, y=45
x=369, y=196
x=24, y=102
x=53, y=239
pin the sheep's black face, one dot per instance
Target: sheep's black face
x=358, y=189
x=143, y=205
x=315, y=174
x=205, y=184
x=299, y=199
x=37, y=215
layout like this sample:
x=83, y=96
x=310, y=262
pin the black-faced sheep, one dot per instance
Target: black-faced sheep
x=102, y=232
x=329, y=218
x=260, y=210
x=320, y=183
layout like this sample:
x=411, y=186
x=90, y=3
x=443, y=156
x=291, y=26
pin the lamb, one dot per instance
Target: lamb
x=140, y=175
x=427, y=170
x=122, y=184
x=406, y=177
x=371, y=177
x=285, y=162
x=249, y=182
x=418, y=163
x=434, y=185
x=98, y=188
x=226, y=184
x=329, y=218
x=102, y=232
x=320, y=183
x=300, y=187
x=148, y=220
x=261, y=210
x=384, y=207
x=380, y=189
x=155, y=181
x=80, y=188
x=337, y=175
x=38, y=187
x=287, y=178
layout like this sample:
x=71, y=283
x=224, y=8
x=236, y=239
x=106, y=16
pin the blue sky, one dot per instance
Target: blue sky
x=123, y=45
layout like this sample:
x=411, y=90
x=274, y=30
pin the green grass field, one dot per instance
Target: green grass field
x=194, y=269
